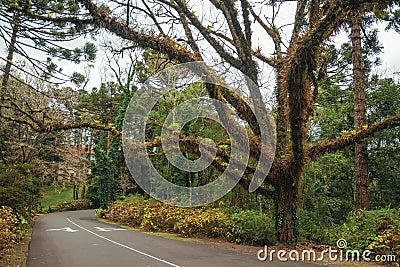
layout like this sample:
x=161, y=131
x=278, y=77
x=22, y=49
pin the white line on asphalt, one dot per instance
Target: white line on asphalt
x=109, y=229
x=65, y=229
x=124, y=246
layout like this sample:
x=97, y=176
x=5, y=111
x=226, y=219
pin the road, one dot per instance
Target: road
x=76, y=238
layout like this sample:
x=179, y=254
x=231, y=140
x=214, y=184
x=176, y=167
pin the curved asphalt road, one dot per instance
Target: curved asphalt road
x=76, y=238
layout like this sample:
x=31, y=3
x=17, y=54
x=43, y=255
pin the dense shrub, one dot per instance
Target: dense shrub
x=154, y=216
x=20, y=190
x=130, y=213
x=245, y=227
x=8, y=223
x=251, y=227
x=312, y=228
x=376, y=230
x=203, y=221
x=363, y=227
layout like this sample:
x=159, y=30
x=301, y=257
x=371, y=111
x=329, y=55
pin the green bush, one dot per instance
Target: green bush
x=20, y=190
x=375, y=230
x=387, y=242
x=154, y=216
x=251, y=227
x=130, y=214
x=157, y=217
x=328, y=189
x=312, y=228
x=363, y=227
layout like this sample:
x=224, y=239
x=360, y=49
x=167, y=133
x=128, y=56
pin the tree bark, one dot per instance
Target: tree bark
x=74, y=192
x=286, y=204
x=83, y=192
x=362, y=173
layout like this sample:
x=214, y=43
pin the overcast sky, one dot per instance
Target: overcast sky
x=390, y=56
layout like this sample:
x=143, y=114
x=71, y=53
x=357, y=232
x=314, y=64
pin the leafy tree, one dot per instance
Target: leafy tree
x=383, y=100
x=100, y=180
x=108, y=105
x=334, y=172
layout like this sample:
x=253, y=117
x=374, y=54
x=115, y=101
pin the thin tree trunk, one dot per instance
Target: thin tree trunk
x=362, y=173
x=83, y=191
x=73, y=191
x=89, y=155
x=10, y=56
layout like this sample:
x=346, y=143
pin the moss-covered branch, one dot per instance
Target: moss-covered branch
x=344, y=141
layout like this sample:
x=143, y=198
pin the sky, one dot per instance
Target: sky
x=391, y=52
x=390, y=39
x=390, y=55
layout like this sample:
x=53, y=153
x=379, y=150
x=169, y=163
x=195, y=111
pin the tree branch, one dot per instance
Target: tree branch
x=327, y=146
x=162, y=44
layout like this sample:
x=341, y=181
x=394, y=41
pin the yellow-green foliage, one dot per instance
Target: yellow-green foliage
x=387, y=242
x=204, y=221
x=8, y=230
x=129, y=214
x=246, y=227
x=154, y=216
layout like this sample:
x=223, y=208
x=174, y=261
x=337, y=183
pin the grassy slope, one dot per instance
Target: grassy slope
x=54, y=194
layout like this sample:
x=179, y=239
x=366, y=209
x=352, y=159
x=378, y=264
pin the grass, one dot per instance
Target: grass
x=54, y=194
x=173, y=236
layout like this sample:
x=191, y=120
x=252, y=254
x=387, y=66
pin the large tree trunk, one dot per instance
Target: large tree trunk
x=362, y=196
x=286, y=205
x=286, y=199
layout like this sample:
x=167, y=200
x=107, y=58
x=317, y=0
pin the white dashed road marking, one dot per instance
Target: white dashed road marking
x=122, y=245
